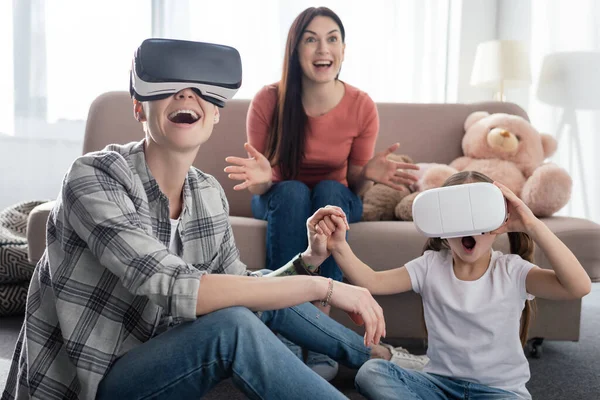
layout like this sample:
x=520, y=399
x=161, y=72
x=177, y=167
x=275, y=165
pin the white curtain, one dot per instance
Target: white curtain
x=59, y=55
x=570, y=30
x=395, y=50
x=30, y=96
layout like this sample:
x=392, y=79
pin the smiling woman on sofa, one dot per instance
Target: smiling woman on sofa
x=311, y=139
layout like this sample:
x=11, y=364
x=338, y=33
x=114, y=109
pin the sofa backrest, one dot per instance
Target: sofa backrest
x=426, y=132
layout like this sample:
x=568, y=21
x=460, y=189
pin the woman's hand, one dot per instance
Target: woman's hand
x=382, y=170
x=362, y=309
x=317, y=238
x=254, y=170
x=520, y=217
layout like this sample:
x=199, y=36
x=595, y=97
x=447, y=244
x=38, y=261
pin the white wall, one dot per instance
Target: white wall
x=480, y=21
x=478, y=24
x=514, y=23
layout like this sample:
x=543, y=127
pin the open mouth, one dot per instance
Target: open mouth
x=322, y=64
x=184, y=117
x=468, y=243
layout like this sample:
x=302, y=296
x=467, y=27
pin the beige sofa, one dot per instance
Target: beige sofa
x=427, y=132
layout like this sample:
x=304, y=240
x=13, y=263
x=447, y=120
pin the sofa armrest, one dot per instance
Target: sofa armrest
x=36, y=231
x=582, y=237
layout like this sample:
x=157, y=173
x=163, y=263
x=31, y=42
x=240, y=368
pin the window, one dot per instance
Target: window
x=59, y=55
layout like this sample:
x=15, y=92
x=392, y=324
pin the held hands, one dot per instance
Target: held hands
x=520, y=217
x=253, y=170
x=334, y=228
x=317, y=237
x=381, y=170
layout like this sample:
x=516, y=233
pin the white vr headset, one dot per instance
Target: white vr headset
x=461, y=210
x=163, y=67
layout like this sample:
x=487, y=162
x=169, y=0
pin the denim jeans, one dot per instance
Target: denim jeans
x=188, y=360
x=287, y=206
x=382, y=380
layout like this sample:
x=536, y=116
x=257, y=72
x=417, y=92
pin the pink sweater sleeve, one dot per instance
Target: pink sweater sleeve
x=260, y=115
x=363, y=146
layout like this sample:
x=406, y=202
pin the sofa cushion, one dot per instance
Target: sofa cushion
x=13, y=298
x=15, y=268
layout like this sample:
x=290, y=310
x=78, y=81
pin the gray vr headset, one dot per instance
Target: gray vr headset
x=163, y=67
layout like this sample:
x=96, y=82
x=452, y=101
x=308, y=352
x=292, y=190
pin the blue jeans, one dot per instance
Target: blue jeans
x=382, y=380
x=287, y=206
x=188, y=360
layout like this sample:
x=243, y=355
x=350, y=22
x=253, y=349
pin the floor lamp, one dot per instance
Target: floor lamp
x=570, y=80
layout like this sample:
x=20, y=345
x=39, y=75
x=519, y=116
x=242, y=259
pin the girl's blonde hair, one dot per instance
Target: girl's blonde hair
x=520, y=243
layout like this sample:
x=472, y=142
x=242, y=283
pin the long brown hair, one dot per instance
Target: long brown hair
x=285, y=145
x=520, y=243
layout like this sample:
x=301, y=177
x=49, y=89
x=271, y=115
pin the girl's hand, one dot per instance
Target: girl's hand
x=381, y=170
x=362, y=308
x=520, y=217
x=334, y=227
x=317, y=237
x=253, y=170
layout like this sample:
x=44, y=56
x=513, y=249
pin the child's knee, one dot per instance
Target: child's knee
x=371, y=374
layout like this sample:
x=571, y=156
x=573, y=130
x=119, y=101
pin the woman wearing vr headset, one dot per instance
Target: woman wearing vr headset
x=141, y=292
x=311, y=139
x=476, y=304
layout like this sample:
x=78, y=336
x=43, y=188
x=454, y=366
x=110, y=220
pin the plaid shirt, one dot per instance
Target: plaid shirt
x=107, y=281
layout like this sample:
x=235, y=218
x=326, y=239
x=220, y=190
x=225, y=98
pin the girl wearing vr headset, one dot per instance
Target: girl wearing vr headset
x=311, y=139
x=476, y=304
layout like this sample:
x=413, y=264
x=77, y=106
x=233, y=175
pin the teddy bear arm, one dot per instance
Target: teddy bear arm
x=547, y=190
x=460, y=163
x=371, y=213
x=380, y=201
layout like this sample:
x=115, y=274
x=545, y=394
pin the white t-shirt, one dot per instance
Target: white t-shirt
x=473, y=326
x=175, y=241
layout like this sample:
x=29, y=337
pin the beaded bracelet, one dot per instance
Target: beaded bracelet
x=325, y=303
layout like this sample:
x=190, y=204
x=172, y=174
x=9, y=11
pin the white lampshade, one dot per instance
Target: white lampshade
x=501, y=64
x=571, y=80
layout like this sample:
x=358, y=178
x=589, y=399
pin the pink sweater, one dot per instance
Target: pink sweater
x=346, y=134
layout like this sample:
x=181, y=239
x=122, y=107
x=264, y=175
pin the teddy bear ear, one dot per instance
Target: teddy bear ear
x=549, y=144
x=474, y=117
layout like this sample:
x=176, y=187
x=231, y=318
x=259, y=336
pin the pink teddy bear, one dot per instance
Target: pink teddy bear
x=508, y=149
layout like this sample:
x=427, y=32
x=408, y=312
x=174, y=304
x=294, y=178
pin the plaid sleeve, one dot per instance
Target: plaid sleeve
x=229, y=251
x=101, y=204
